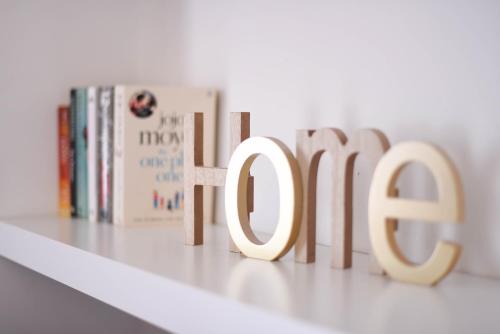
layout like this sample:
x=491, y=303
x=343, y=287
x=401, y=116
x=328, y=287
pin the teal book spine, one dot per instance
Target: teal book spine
x=72, y=152
x=81, y=153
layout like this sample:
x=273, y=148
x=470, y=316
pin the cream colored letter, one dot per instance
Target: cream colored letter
x=383, y=208
x=290, y=188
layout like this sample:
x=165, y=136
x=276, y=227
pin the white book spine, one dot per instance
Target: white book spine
x=118, y=161
x=92, y=153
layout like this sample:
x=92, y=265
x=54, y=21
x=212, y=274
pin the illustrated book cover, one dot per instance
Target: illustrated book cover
x=148, y=156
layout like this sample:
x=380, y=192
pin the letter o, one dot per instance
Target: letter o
x=290, y=188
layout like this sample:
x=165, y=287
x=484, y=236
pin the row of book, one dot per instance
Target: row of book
x=121, y=152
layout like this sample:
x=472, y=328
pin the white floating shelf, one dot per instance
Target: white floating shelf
x=149, y=273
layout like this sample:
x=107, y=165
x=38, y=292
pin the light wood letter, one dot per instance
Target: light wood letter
x=311, y=144
x=196, y=175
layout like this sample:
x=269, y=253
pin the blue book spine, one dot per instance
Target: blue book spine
x=81, y=153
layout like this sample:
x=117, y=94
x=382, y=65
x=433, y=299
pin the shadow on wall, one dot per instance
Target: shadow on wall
x=480, y=178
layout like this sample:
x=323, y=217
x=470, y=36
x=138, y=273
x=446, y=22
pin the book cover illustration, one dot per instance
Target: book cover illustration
x=105, y=154
x=149, y=150
x=81, y=153
x=64, y=127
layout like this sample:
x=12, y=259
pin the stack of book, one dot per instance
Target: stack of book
x=121, y=152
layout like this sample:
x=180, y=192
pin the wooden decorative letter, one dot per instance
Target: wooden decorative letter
x=383, y=207
x=196, y=175
x=236, y=191
x=311, y=144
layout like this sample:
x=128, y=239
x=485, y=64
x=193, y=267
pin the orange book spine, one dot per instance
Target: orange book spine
x=63, y=139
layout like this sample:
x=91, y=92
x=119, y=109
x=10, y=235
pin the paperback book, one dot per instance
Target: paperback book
x=81, y=152
x=92, y=154
x=148, y=151
x=105, y=154
x=64, y=126
x=72, y=153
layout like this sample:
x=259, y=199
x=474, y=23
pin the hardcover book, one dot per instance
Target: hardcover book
x=64, y=127
x=105, y=154
x=148, y=163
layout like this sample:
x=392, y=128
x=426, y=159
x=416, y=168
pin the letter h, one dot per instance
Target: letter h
x=196, y=175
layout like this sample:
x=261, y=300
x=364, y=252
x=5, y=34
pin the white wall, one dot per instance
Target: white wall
x=48, y=47
x=418, y=70
x=45, y=48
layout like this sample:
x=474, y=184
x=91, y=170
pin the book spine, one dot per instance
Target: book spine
x=72, y=153
x=118, y=164
x=92, y=154
x=64, y=125
x=81, y=153
x=105, y=153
